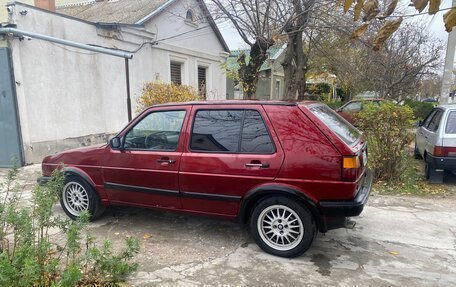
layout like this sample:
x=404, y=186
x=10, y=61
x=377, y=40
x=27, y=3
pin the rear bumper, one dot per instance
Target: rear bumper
x=352, y=207
x=441, y=162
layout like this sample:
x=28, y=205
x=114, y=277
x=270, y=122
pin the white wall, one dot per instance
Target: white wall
x=64, y=92
x=197, y=44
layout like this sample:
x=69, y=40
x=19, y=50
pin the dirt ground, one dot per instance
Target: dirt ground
x=397, y=241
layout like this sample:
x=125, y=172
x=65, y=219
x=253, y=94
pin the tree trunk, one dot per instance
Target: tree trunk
x=249, y=72
x=295, y=61
x=294, y=67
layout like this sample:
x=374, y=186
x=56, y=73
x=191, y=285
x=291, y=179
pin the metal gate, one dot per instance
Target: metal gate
x=10, y=141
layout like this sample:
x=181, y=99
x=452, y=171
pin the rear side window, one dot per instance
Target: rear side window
x=348, y=133
x=231, y=131
x=451, y=123
x=255, y=136
x=435, y=122
x=429, y=118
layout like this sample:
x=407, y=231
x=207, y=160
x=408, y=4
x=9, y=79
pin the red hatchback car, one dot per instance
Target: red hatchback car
x=287, y=169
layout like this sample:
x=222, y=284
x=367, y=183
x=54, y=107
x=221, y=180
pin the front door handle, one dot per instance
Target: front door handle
x=165, y=160
x=257, y=163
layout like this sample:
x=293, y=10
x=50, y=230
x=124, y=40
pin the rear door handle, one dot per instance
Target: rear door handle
x=165, y=160
x=258, y=164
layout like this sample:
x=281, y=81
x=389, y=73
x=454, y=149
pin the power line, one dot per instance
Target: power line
x=414, y=15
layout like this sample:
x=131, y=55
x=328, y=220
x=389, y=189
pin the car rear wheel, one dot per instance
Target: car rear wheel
x=416, y=152
x=431, y=174
x=78, y=196
x=282, y=227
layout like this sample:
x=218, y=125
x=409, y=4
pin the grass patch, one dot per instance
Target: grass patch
x=413, y=182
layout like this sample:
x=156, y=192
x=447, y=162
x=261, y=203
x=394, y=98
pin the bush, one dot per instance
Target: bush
x=28, y=256
x=420, y=109
x=386, y=129
x=158, y=93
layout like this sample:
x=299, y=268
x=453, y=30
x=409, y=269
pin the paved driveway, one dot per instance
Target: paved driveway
x=398, y=241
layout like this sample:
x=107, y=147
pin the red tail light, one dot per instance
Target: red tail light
x=350, y=168
x=444, y=151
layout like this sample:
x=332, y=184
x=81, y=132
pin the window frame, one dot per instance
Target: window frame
x=274, y=150
x=344, y=109
x=447, y=119
x=145, y=116
x=201, y=92
x=429, y=117
x=173, y=62
x=437, y=110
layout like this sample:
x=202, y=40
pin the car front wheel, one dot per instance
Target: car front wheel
x=78, y=196
x=282, y=226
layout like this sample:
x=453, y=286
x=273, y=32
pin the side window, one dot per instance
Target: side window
x=255, y=136
x=156, y=131
x=451, y=124
x=434, y=123
x=353, y=107
x=429, y=118
x=217, y=130
x=230, y=131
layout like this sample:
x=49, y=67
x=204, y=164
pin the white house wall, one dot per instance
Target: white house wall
x=69, y=97
x=192, y=48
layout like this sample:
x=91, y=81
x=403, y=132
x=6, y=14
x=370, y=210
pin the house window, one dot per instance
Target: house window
x=190, y=16
x=202, y=81
x=176, y=73
x=277, y=90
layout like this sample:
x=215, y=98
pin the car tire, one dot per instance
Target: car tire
x=282, y=227
x=431, y=174
x=416, y=153
x=77, y=196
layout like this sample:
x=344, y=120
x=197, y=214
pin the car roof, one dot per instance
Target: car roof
x=236, y=102
x=448, y=106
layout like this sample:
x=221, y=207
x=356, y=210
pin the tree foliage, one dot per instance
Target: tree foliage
x=394, y=72
x=372, y=8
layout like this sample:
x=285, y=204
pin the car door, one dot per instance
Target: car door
x=432, y=138
x=145, y=170
x=422, y=132
x=229, y=150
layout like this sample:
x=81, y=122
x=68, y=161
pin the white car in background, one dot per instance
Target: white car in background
x=435, y=142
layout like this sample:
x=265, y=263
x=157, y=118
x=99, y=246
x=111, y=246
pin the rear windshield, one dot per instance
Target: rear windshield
x=348, y=133
x=451, y=123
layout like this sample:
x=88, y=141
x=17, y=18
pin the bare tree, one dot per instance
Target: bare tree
x=254, y=21
x=394, y=72
x=295, y=61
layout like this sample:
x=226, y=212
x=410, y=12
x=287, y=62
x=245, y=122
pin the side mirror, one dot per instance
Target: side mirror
x=115, y=143
x=420, y=123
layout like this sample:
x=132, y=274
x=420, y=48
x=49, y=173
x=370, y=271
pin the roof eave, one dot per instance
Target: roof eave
x=155, y=12
x=97, y=24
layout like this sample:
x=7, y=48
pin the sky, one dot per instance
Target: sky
x=435, y=27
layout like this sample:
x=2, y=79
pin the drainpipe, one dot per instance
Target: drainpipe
x=13, y=32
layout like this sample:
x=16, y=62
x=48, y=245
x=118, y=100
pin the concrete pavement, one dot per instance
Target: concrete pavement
x=397, y=241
